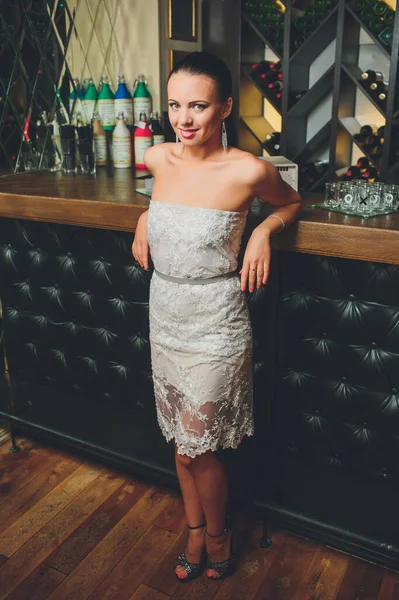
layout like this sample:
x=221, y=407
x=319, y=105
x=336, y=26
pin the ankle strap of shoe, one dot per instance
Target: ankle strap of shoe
x=216, y=536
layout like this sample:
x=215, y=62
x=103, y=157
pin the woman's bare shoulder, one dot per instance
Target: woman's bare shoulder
x=252, y=168
x=156, y=155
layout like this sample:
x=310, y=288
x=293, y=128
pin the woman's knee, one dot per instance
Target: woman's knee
x=190, y=463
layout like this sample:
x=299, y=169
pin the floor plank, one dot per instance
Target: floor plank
x=42, y=544
x=287, y=570
x=19, y=532
x=67, y=557
x=324, y=576
x=38, y=585
x=18, y=503
x=107, y=554
x=361, y=580
x=124, y=579
x=144, y=592
x=390, y=587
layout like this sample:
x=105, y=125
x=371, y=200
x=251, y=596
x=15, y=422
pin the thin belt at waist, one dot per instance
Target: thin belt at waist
x=196, y=280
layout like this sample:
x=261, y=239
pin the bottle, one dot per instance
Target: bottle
x=368, y=77
x=353, y=172
x=123, y=101
x=156, y=128
x=363, y=163
x=272, y=143
x=364, y=133
x=100, y=141
x=142, y=141
x=142, y=101
x=105, y=105
x=121, y=144
x=75, y=102
x=89, y=101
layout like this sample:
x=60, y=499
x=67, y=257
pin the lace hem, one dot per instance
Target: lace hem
x=213, y=445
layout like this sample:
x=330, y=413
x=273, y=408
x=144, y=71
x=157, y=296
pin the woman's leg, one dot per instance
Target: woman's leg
x=210, y=482
x=194, y=514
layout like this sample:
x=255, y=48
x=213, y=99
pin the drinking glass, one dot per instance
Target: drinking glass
x=390, y=196
x=347, y=196
x=362, y=200
x=376, y=192
x=331, y=195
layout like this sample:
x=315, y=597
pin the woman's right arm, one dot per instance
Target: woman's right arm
x=140, y=247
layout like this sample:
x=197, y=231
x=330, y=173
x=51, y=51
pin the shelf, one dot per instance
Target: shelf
x=314, y=95
x=258, y=126
x=369, y=32
x=320, y=138
x=354, y=73
x=317, y=41
x=352, y=126
x=246, y=69
x=261, y=36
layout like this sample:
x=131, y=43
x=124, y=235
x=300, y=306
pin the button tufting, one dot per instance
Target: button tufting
x=374, y=344
x=352, y=296
x=69, y=254
x=365, y=424
x=344, y=379
x=394, y=391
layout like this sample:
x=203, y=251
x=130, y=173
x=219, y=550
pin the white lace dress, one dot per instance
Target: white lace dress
x=200, y=335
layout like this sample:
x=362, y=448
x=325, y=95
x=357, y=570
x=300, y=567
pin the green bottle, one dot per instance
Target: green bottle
x=105, y=105
x=89, y=101
x=386, y=36
x=142, y=101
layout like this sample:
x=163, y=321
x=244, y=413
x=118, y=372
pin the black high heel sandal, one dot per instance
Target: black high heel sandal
x=226, y=567
x=193, y=570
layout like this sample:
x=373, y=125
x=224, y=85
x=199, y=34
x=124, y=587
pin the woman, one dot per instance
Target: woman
x=199, y=324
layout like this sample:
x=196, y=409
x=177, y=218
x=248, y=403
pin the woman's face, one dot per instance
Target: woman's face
x=195, y=110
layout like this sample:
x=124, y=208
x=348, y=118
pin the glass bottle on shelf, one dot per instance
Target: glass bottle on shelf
x=156, y=128
x=123, y=101
x=143, y=139
x=106, y=105
x=142, y=100
x=89, y=101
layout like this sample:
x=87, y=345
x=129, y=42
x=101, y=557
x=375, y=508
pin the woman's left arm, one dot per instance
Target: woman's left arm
x=267, y=185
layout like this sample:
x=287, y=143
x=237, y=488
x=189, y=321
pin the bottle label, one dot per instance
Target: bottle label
x=140, y=146
x=100, y=145
x=141, y=105
x=106, y=108
x=88, y=108
x=124, y=105
x=122, y=152
x=159, y=139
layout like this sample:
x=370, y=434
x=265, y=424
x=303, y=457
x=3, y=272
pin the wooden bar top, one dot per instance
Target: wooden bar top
x=111, y=202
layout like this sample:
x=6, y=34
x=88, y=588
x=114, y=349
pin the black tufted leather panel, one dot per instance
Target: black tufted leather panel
x=336, y=415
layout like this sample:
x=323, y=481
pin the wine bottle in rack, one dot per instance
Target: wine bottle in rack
x=272, y=143
x=363, y=164
x=364, y=133
x=368, y=77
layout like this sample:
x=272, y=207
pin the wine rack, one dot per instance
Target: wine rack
x=330, y=51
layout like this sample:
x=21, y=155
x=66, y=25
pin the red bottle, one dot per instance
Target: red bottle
x=142, y=140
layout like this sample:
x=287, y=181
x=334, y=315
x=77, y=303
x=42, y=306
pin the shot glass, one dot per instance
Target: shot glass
x=362, y=200
x=376, y=193
x=390, y=197
x=347, y=196
x=331, y=199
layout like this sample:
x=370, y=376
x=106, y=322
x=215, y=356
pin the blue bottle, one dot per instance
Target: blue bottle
x=124, y=102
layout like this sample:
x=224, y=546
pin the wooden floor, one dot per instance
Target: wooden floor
x=74, y=530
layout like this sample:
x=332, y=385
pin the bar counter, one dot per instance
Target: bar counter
x=107, y=202
x=323, y=461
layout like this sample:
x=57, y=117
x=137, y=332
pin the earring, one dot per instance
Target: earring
x=177, y=139
x=224, y=136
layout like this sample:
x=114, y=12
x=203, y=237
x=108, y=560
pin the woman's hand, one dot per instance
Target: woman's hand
x=140, y=247
x=255, y=268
